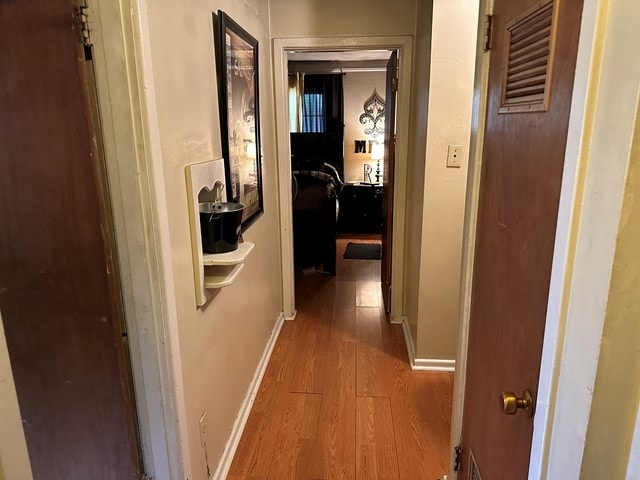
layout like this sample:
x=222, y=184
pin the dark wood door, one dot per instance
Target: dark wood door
x=58, y=285
x=387, y=179
x=520, y=187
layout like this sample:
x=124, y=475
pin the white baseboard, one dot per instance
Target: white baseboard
x=243, y=414
x=292, y=317
x=434, y=365
x=408, y=340
x=430, y=364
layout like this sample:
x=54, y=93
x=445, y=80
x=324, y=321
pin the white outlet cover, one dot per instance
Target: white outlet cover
x=454, y=156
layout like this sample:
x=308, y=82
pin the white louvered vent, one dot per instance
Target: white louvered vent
x=528, y=59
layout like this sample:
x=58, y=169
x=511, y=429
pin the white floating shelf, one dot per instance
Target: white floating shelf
x=229, y=258
x=220, y=278
x=218, y=270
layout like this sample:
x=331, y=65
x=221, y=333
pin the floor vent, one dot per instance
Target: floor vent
x=474, y=473
x=528, y=59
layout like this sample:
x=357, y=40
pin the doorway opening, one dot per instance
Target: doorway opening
x=338, y=103
x=359, y=48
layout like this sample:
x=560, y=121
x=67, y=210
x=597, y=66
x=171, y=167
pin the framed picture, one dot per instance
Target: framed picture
x=237, y=63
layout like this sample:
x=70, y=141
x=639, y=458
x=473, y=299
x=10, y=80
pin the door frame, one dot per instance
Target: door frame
x=281, y=46
x=126, y=104
x=584, y=245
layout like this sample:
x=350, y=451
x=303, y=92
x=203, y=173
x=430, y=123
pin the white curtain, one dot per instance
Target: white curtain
x=296, y=90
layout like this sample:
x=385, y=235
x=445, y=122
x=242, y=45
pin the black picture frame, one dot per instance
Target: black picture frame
x=239, y=106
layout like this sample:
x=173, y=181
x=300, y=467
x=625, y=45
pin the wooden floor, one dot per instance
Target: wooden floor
x=338, y=398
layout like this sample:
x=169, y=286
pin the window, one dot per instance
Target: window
x=315, y=103
x=313, y=114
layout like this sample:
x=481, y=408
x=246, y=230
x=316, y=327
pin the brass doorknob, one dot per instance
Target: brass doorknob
x=510, y=404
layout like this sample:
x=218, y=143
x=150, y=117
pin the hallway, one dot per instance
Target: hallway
x=338, y=398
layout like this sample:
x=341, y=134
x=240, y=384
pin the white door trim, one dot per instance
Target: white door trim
x=601, y=129
x=585, y=240
x=126, y=99
x=478, y=121
x=404, y=45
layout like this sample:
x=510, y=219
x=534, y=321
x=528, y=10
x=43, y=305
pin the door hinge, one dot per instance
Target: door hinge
x=488, y=30
x=394, y=84
x=457, y=458
x=81, y=16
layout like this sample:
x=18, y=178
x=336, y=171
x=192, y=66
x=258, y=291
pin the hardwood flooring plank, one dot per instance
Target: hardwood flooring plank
x=346, y=270
x=374, y=367
x=316, y=289
x=299, y=426
x=391, y=332
x=335, y=450
x=369, y=329
x=368, y=293
x=255, y=450
x=278, y=373
x=376, y=456
x=344, y=325
x=326, y=292
x=432, y=394
x=309, y=372
x=345, y=293
x=368, y=270
x=311, y=352
x=305, y=286
x=421, y=415
x=399, y=370
x=246, y=453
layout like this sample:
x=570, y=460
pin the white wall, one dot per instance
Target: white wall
x=599, y=148
x=616, y=396
x=358, y=87
x=326, y=18
x=219, y=347
x=417, y=152
x=14, y=458
x=453, y=46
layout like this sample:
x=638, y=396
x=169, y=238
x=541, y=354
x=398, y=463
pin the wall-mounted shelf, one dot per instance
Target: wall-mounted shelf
x=221, y=269
x=221, y=277
x=229, y=258
x=218, y=270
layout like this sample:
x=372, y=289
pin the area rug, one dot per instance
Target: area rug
x=363, y=251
